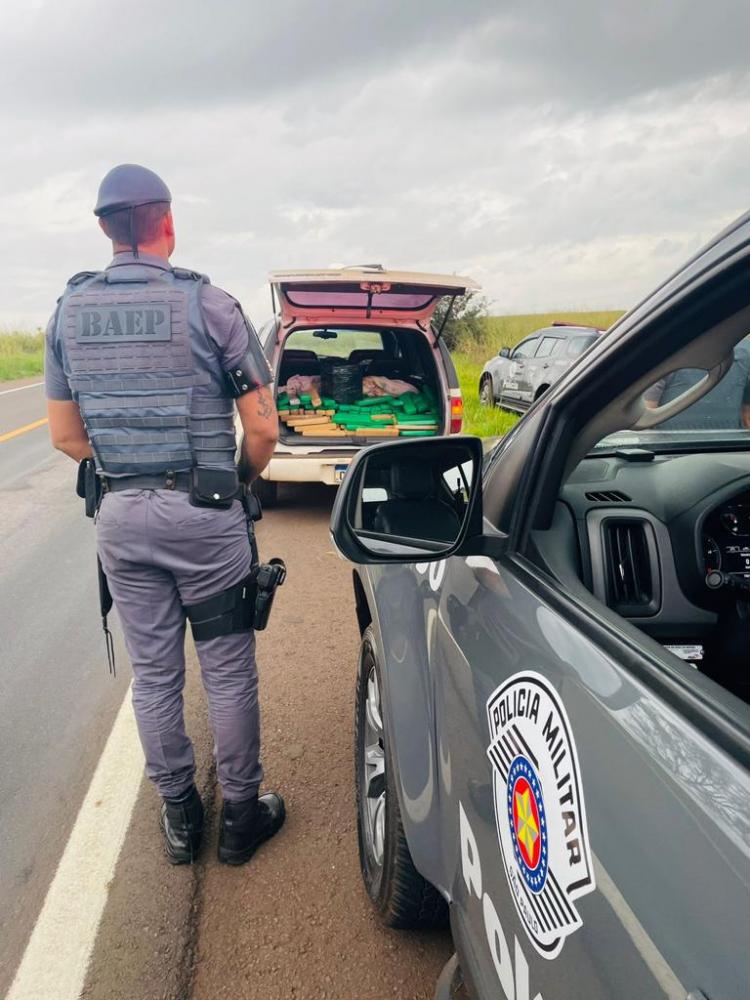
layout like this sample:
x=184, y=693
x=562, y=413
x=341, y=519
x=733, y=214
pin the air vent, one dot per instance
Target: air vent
x=631, y=567
x=608, y=496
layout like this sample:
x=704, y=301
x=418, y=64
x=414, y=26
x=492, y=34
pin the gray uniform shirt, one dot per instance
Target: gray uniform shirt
x=226, y=325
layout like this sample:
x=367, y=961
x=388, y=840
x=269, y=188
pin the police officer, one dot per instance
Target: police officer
x=144, y=363
x=725, y=407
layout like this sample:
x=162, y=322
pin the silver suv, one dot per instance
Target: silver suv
x=518, y=376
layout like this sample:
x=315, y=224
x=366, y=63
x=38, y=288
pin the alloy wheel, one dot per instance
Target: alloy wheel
x=373, y=804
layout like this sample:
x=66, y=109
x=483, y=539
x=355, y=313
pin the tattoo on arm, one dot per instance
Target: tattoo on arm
x=265, y=403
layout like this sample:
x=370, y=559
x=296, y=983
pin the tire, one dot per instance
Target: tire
x=266, y=491
x=540, y=392
x=402, y=897
x=486, y=395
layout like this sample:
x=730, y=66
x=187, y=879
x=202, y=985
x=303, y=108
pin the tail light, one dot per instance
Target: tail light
x=457, y=411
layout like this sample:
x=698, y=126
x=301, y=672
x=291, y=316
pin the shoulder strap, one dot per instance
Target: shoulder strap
x=82, y=276
x=185, y=274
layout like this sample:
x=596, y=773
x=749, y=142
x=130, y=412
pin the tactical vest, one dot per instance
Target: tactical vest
x=144, y=371
x=719, y=409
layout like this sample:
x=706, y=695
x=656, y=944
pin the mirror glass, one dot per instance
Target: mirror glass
x=413, y=500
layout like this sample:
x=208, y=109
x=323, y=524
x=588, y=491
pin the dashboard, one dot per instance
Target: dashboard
x=726, y=540
x=664, y=540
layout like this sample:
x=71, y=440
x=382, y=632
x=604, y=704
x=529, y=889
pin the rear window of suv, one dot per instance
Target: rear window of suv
x=330, y=298
x=548, y=346
x=577, y=345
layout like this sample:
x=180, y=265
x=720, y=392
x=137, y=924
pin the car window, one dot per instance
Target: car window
x=458, y=480
x=720, y=415
x=336, y=343
x=526, y=349
x=549, y=345
x=577, y=345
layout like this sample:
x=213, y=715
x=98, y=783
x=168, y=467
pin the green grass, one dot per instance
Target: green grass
x=21, y=355
x=505, y=331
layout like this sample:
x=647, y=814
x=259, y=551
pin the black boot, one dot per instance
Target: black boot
x=182, y=826
x=246, y=825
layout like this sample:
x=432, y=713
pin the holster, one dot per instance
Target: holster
x=240, y=608
x=89, y=486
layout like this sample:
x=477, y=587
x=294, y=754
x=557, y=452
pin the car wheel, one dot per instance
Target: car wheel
x=540, y=392
x=266, y=491
x=486, y=396
x=401, y=895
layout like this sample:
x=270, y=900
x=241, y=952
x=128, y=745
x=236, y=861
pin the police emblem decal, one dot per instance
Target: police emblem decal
x=539, y=808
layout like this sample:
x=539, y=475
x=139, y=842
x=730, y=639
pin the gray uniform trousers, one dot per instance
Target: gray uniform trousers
x=160, y=553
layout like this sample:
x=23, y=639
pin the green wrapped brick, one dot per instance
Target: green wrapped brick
x=426, y=418
x=409, y=405
x=416, y=434
x=375, y=401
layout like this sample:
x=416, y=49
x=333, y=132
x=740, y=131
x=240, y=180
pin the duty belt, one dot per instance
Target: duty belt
x=183, y=482
x=165, y=481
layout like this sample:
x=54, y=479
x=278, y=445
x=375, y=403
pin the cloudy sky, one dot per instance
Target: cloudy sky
x=566, y=155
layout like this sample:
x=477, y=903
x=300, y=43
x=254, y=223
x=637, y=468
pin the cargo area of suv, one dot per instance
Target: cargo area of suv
x=357, y=359
x=338, y=382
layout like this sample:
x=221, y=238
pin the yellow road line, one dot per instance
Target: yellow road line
x=22, y=430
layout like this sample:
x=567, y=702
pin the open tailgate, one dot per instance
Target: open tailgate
x=361, y=294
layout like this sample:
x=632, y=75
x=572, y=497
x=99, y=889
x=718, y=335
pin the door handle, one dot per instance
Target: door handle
x=696, y=995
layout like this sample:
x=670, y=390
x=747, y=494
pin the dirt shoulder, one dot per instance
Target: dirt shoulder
x=295, y=922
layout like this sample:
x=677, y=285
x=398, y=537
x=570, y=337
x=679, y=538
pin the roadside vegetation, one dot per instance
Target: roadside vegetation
x=21, y=355
x=476, y=342
x=472, y=336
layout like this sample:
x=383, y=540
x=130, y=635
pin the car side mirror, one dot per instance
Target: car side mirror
x=410, y=501
x=504, y=352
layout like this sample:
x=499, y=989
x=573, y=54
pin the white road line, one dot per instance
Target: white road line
x=57, y=954
x=20, y=388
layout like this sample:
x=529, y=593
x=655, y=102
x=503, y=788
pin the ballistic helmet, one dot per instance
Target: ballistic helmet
x=129, y=186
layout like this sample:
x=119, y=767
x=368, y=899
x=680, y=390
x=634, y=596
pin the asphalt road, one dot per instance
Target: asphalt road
x=58, y=700
x=293, y=923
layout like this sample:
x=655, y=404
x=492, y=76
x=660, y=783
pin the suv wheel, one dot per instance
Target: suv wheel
x=401, y=895
x=486, y=397
x=266, y=491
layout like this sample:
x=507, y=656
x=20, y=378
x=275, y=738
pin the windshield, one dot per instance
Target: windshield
x=721, y=416
x=340, y=343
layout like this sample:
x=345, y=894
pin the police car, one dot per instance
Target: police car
x=516, y=377
x=552, y=717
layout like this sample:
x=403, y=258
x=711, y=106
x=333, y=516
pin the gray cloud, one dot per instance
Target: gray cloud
x=194, y=53
x=566, y=155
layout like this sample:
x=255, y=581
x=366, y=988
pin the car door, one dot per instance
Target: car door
x=542, y=367
x=515, y=384
x=598, y=839
x=593, y=790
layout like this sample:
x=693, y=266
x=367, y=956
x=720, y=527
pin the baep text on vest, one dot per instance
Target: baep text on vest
x=124, y=323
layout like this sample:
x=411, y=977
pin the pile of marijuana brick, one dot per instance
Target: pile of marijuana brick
x=414, y=414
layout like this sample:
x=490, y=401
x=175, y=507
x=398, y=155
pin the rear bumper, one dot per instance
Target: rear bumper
x=315, y=468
